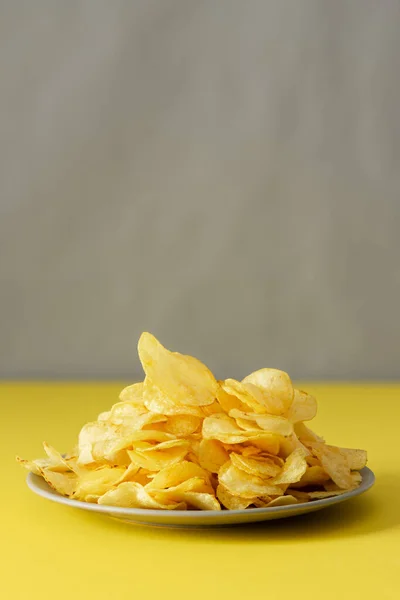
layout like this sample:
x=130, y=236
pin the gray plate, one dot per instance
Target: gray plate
x=205, y=518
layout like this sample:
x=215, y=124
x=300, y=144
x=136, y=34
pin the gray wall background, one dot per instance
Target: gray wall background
x=224, y=174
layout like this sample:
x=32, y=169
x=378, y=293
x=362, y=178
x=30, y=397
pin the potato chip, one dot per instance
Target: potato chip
x=157, y=402
x=356, y=459
x=134, y=495
x=232, y=502
x=63, y=483
x=283, y=501
x=334, y=463
x=173, y=475
x=183, y=379
x=261, y=467
x=303, y=408
x=305, y=434
x=212, y=455
x=223, y=428
x=313, y=476
x=269, y=423
x=133, y=394
x=155, y=458
x=182, y=425
x=248, y=395
x=276, y=387
x=240, y=483
x=294, y=468
x=97, y=482
x=228, y=401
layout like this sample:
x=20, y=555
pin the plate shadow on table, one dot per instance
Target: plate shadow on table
x=372, y=512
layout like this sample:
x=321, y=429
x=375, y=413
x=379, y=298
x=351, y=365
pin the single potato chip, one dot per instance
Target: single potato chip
x=133, y=394
x=183, y=379
x=312, y=477
x=334, y=463
x=269, y=423
x=212, y=455
x=303, y=408
x=293, y=470
x=261, y=467
x=232, y=502
x=134, y=495
x=173, y=475
x=248, y=395
x=283, y=501
x=240, y=483
x=276, y=387
x=182, y=425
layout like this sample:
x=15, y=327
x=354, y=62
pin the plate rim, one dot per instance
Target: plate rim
x=368, y=480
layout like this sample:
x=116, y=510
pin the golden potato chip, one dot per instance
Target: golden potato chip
x=97, y=482
x=232, y=502
x=294, y=468
x=269, y=423
x=334, y=463
x=228, y=401
x=248, y=395
x=134, y=495
x=303, y=408
x=305, y=434
x=321, y=495
x=157, y=402
x=212, y=455
x=261, y=467
x=182, y=425
x=283, y=501
x=267, y=442
x=312, y=476
x=133, y=394
x=223, y=428
x=299, y=495
x=155, y=458
x=184, y=379
x=356, y=459
x=173, y=475
x=211, y=409
x=240, y=483
x=276, y=388
x=63, y=483
x=198, y=500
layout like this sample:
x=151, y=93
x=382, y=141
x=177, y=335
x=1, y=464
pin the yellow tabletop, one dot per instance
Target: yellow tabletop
x=52, y=551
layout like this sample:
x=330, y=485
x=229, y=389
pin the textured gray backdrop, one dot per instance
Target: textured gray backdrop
x=222, y=173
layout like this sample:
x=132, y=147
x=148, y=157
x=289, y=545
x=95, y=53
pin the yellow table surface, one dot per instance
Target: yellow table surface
x=53, y=551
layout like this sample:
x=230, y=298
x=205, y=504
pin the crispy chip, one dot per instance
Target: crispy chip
x=269, y=423
x=283, y=501
x=182, y=425
x=261, y=467
x=276, y=388
x=212, y=455
x=334, y=463
x=240, y=483
x=183, y=379
x=173, y=475
x=303, y=408
x=133, y=394
x=232, y=502
x=294, y=468
x=248, y=395
x=134, y=495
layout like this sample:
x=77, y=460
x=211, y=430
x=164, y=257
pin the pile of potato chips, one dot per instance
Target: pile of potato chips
x=180, y=440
